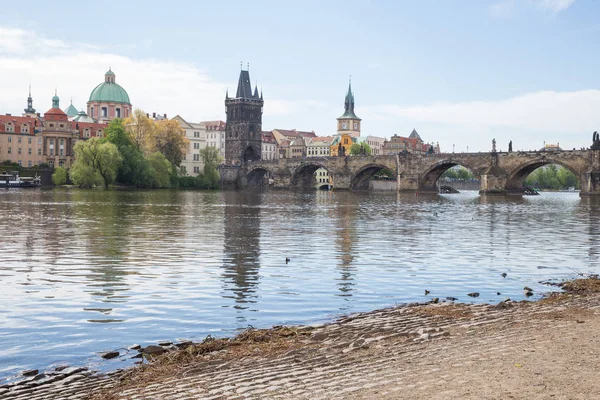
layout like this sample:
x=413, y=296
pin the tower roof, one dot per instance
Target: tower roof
x=29, y=109
x=109, y=91
x=349, y=104
x=244, y=89
x=71, y=111
x=415, y=135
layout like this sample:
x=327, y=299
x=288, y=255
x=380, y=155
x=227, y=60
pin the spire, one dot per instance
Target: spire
x=349, y=103
x=244, y=89
x=227, y=94
x=256, y=90
x=261, y=94
x=29, y=109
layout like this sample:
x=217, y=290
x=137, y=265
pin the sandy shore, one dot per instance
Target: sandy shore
x=548, y=349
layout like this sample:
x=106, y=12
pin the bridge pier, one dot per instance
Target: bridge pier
x=408, y=183
x=233, y=177
x=494, y=182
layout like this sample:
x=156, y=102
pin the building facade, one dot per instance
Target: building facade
x=192, y=163
x=412, y=144
x=108, y=100
x=216, y=135
x=269, y=146
x=243, y=130
x=376, y=144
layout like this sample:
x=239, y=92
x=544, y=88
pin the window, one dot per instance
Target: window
x=9, y=127
x=39, y=152
x=86, y=133
x=10, y=150
x=40, y=141
x=10, y=139
x=61, y=163
x=99, y=134
x=29, y=163
x=20, y=163
x=196, y=145
x=196, y=157
x=29, y=140
x=196, y=170
x=24, y=128
x=19, y=139
x=29, y=151
x=51, y=125
x=118, y=112
x=61, y=153
x=92, y=112
x=104, y=112
x=62, y=125
x=51, y=163
x=19, y=151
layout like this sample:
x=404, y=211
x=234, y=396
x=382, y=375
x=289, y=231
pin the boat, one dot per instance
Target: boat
x=12, y=179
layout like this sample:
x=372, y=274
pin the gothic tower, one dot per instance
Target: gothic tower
x=349, y=123
x=243, y=140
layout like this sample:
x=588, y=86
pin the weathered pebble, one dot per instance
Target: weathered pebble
x=451, y=298
x=30, y=372
x=153, y=350
x=110, y=354
x=165, y=343
x=474, y=294
x=61, y=368
x=184, y=345
x=134, y=347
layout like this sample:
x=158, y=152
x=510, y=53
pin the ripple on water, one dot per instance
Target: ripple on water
x=88, y=271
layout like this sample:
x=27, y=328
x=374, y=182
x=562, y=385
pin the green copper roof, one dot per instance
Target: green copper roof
x=71, y=111
x=82, y=117
x=110, y=92
x=109, y=72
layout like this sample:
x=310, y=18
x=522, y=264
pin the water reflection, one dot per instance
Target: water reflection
x=346, y=241
x=241, y=245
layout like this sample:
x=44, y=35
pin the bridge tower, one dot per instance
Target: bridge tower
x=243, y=142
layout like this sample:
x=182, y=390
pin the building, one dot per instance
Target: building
x=108, y=100
x=298, y=147
x=341, y=144
x=71, y=111
x=243, y=130
x=349, y=123
x=21, y=139
x=284, y=138
x=320, y=147
x=269, y=146
x=192, y=163
x=215, y=135
x=376, y=144
x=412, y=144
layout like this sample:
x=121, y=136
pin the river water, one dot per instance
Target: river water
x=86, y=271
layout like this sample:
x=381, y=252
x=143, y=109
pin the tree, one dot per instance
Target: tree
x=96, y=163
x=59, y=177
x=117, y=134
x=160, y=170
x=211, y=158
x=360, y=149
x=140, y=129
x=169, y=139
x=552, y=177
x=133, y=169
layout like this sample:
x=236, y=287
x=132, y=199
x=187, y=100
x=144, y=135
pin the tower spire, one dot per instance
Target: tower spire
x=29, y=109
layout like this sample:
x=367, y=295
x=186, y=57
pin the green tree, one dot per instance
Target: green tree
x=96, y=163
x=360, y=149
x=169, y=139
x=552, y=177
x=211, y=158
x=160, y=170
x=59, y=177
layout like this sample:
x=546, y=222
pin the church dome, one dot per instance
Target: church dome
x=109, y=91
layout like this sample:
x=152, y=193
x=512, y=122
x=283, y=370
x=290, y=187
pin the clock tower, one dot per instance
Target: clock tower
x=349, y=123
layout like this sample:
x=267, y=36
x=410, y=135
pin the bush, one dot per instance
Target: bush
x=59, y=177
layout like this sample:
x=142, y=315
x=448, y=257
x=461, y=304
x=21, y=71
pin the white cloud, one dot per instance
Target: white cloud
x=555, y=6
x=75, y=69
x=529, y=120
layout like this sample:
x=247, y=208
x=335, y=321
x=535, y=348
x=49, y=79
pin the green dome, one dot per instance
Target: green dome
x=110, y=73
x=109, y=92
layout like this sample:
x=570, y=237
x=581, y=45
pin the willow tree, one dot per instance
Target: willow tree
x=141, y=129
x=96, y=163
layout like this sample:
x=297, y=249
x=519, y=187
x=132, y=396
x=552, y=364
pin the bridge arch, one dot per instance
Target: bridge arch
x=516, y=178
x=303, y=176
x=428, y=182
x=257, y=176
x=360, y=180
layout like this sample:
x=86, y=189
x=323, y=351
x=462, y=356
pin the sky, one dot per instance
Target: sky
x=460, y=72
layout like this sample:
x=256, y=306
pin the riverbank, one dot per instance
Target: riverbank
x=534, y=350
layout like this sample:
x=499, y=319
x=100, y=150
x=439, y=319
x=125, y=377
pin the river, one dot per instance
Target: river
x=86, y=271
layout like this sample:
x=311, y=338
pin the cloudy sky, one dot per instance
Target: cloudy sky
x=461, y=72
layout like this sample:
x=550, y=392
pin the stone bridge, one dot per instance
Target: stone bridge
x=499, y=173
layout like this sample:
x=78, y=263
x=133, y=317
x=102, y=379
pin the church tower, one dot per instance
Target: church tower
x=29, y=111
x=243, y=139
x=349, y=123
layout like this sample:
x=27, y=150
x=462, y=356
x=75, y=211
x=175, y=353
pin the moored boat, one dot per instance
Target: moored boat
x=12, y=179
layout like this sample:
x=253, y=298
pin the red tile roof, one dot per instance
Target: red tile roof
x=214, y=125
x=17, y=122
x=292, y=133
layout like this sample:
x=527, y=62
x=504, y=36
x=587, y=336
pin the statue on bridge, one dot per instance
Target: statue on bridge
x=493, y=145
x=341, y=150
x=595, y=141
x=510, y=146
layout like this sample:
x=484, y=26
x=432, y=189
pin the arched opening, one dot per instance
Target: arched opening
x=456, y=179
x=259, y=177
x=447, y=170
x=305, y=177
x=543, y=175
x=323, y=180
x=374, y=176
x=250, y=155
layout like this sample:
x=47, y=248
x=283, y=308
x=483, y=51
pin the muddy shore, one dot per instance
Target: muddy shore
x=534, y=350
